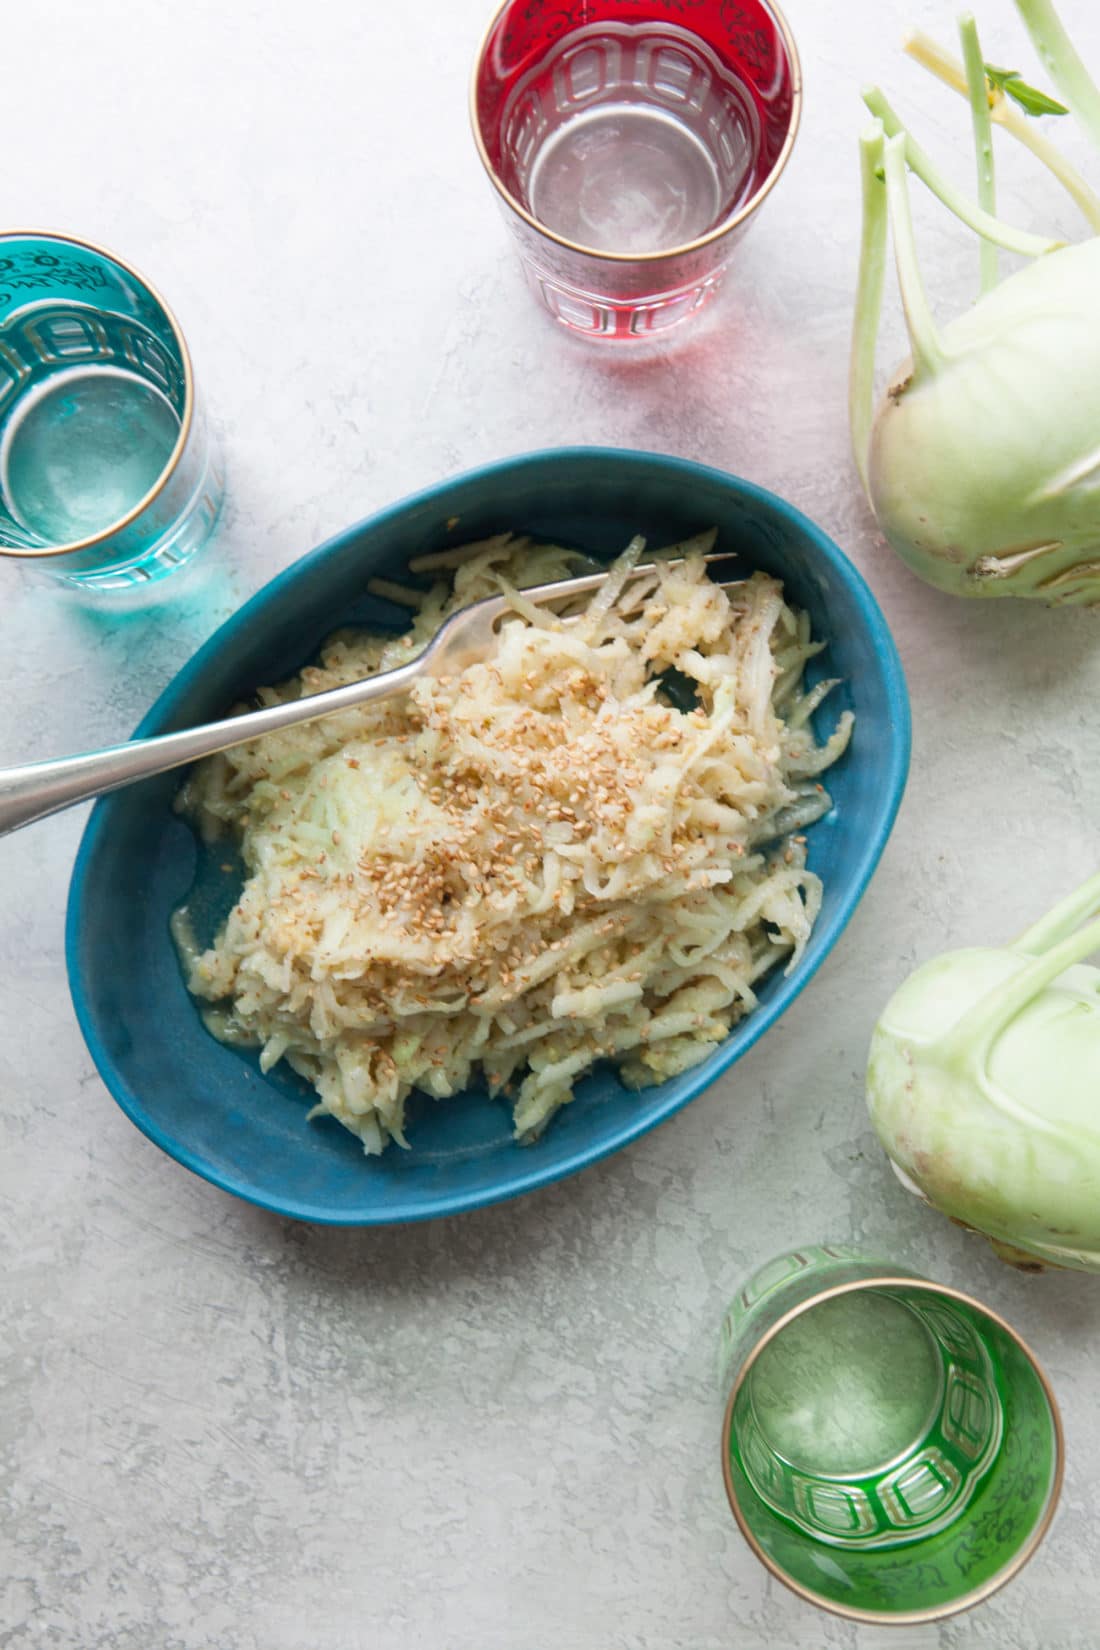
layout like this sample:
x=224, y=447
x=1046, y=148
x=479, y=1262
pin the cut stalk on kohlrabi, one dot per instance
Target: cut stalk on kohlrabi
x=984, y=1087
x=982, y=461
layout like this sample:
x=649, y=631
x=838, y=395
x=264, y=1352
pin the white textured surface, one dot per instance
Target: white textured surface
x=499, y=1432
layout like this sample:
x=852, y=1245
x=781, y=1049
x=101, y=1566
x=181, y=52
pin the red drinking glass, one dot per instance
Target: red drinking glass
x=629, y=142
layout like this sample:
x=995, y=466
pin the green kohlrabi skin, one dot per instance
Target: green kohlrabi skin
x=1000, y=1131
x=984, y=470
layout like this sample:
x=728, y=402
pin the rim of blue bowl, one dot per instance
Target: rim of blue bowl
x=747, y=1033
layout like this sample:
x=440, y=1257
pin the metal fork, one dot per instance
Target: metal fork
x=40, y=788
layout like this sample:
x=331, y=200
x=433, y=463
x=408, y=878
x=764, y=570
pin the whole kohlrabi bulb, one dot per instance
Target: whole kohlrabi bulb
x=983, y=1085
x=984, y=470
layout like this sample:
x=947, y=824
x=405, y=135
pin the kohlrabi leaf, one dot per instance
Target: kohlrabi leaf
x=1030, y=99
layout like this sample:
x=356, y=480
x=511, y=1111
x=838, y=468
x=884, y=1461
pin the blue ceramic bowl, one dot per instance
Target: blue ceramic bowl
x=207, y=1105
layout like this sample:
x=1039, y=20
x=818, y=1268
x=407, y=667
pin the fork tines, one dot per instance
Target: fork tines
x=584, y=583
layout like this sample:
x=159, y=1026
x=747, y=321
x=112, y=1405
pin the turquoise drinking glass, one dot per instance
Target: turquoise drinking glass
x=892, y=1450
x=109, y=477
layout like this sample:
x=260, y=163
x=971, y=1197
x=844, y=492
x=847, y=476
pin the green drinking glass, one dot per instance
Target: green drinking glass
x=892, y=1450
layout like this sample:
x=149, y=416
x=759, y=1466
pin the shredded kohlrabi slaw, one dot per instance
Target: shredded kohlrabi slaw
x=550, y=860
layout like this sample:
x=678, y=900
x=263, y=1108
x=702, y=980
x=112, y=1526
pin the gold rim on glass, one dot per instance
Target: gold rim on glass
x=937, y=1612
x=716, y=234
x=188, y=398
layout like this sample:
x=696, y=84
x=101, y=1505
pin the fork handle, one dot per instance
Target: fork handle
x=40, y=788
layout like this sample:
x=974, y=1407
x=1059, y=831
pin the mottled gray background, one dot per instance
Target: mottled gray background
x=497, y=1432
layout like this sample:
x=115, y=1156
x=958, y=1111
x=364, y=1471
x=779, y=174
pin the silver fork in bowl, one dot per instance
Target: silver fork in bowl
x=38, y=789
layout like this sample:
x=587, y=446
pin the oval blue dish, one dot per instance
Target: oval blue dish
x=207, y=1105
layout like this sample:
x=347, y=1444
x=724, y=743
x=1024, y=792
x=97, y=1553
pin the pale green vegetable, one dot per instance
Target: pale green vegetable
x=983, y=1085
x=982, y=460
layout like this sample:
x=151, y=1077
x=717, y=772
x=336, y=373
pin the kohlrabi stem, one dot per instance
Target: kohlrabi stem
x=1065, y=917
x=869, y=284
x=928, y=351
x=977, y=87
x=969, y=1041
x=939, y=62
x=1062, y=63
x=1002, y=234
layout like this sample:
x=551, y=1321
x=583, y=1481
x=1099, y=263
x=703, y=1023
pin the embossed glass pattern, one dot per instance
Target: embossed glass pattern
x=108, y=475
x=891, y=1449
x=629, y=141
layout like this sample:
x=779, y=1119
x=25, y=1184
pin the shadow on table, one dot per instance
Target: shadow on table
x=556, y=1224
